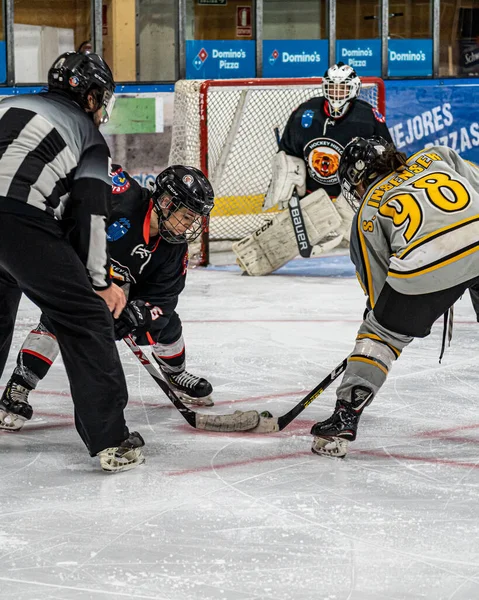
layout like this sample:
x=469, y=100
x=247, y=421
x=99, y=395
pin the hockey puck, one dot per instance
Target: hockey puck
x=266, y=414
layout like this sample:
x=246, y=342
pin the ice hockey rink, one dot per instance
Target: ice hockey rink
x=248, y=516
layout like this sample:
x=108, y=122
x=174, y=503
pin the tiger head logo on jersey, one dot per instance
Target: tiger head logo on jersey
x=323, y=156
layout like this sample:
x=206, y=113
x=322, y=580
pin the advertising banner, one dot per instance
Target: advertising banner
x=222, y=59
x=425, y=113
x=410, y=58
x=295, y=58
x=364, y=56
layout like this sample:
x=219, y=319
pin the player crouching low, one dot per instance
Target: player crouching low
x=148, y=235
x=415, y=246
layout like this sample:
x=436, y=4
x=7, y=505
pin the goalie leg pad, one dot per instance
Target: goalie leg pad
x=347, y=215
x=274, y=244
x=238, y=421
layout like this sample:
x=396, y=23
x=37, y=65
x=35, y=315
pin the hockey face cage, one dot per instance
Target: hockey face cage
x=357, y=166
x=183, y=199
x=341, y=85
x=178, y=223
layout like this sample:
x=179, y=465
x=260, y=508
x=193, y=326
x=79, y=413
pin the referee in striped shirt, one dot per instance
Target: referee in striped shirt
x=54, y=200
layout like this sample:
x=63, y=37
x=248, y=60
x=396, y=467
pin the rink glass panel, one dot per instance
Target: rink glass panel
x=42, y=34
x=298, y=20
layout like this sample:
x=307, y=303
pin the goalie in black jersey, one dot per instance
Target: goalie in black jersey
x=148, y=234
x=310, y=149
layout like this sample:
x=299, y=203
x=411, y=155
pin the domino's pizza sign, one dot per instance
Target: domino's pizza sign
x=364, y=56
x=410, y=57
x=295, y=58
x=223, y=59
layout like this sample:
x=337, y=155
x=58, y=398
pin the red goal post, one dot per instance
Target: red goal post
x=225, y=127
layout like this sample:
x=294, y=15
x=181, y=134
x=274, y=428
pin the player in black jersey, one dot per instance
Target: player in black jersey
x=148, y=235
x=309, y=153
x=54, y=201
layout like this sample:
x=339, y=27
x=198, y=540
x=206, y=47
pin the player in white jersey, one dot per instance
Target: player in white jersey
x=414, y=242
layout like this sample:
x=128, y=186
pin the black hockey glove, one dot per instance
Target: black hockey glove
x=135, y=318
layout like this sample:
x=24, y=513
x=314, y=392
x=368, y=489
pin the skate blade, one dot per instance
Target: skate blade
x=205, y=401
x=333, y=447
x=110, y=463
x=10, y=421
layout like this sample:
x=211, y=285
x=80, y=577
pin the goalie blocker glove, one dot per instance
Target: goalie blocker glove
x=135, y=318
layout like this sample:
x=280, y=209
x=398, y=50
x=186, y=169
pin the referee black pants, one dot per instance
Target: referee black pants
x=37, y=259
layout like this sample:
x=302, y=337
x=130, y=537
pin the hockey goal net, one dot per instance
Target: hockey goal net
x=226, y=129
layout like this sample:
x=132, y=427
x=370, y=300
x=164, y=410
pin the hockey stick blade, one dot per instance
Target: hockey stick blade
x=237, y=421
x=272, y=424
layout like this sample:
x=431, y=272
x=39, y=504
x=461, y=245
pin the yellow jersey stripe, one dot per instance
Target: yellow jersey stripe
x=373, y=336
x=368, y=361
x=439, y=265
x=440, y=231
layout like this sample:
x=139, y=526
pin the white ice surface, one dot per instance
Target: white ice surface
x=242, y=516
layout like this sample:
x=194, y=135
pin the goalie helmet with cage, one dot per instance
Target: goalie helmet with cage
x=358, y=165
x=80, y=75
x=341, y=86
x=183, y=199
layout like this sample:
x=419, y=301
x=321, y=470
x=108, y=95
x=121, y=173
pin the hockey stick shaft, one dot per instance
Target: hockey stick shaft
x=237, y=421
x=297, y=218
x=286, y=419
x=186, y=413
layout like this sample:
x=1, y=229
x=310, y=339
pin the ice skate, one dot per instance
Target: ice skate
x=190, y=388
x=14, y=406
x=332, y=437
x=124, y=457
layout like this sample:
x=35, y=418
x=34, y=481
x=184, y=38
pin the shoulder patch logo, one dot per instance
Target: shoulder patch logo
x=119, y=182
x=307, y=118
x=117, y=229
x=378, y=116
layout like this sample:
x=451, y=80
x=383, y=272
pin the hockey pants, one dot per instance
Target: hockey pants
x=36, y=259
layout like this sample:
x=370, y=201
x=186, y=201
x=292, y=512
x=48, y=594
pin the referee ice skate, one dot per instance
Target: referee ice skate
x=148, y=234
x=54, y=201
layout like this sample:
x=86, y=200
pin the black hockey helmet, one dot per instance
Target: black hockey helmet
x=79, y=74
x=183, y=199
x=358, y=165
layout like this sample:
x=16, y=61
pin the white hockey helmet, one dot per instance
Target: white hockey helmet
x=341, y=85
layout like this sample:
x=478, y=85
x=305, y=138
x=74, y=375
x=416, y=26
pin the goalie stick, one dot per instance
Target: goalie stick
x=270, y=424
x=237, y=421
x=297, y=219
